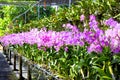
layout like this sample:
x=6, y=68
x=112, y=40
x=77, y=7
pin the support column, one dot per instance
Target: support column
x=29, y=72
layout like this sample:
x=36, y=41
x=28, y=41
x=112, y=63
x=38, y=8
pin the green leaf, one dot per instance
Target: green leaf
x=108, y=3
x=38, y=58
x=102, y=58
x=62, y=59
x=106, y=77
x=99, y=70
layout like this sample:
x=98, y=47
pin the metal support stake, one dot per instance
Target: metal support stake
x=25, y=18
x=69, y=3
x=39, y=10
x=29, y=73
x=20, y=68
x=7, y=54
x=15, y=63
x=4, y=51
x=10, y=63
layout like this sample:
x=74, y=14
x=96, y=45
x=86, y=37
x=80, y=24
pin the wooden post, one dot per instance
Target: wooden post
x=10, y=62
x=29, y=73
x=20, y=68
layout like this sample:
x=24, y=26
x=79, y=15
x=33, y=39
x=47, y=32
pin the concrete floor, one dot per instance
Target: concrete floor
x=5, y=70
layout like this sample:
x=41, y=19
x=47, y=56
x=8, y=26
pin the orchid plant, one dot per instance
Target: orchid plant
x=73, y=54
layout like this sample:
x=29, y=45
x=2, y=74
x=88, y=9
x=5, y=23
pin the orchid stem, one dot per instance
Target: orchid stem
x=82, y=74
x=116, y=16
x=111, y=71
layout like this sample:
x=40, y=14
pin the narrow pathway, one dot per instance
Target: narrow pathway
x=5, y=70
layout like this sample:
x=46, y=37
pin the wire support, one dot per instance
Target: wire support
x=26, y=11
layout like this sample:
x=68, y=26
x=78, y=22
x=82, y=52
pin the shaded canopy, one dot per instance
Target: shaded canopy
x=48, y=2
x=42, y=2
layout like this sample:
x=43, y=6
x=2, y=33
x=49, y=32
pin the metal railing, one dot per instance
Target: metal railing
x=24, y=13
x=33, y=71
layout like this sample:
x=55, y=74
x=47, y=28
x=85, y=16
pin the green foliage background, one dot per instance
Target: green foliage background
x=8, y=13
x=103, y=9
x=76, y=63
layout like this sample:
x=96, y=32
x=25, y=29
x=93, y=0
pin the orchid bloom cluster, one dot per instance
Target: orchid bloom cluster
x=44, y=38
x=96, y=38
